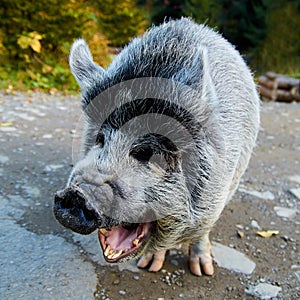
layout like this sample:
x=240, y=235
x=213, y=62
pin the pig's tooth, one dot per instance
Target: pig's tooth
x=135, y=242
x=112, y=254
x=117, y=254
x=107, y=250
x=103, y=231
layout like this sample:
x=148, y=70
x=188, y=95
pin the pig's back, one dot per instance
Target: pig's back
x=174, y=51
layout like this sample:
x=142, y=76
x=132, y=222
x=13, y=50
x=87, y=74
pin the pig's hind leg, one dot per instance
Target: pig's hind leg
x=201, y=257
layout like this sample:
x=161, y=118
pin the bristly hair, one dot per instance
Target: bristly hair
x=197, y=77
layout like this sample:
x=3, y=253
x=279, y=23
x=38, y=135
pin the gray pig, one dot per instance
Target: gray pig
x=169, y=130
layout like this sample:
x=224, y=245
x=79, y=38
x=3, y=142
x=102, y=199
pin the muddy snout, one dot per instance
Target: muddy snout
x=72, y=211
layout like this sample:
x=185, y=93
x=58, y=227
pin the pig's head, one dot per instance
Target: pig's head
x=129, y=187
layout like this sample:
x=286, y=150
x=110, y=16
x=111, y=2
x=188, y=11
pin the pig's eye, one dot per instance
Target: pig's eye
x=100, y=139
x=157, y=149
x=142, y=154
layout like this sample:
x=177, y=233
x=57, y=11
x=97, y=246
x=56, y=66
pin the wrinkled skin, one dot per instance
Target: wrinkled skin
x=169, y=130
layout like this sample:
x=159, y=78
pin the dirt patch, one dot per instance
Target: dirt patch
x=37, y=145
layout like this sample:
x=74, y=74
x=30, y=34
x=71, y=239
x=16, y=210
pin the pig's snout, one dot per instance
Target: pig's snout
x=72, y=211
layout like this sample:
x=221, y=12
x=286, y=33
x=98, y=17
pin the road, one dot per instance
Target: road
x=39, y=259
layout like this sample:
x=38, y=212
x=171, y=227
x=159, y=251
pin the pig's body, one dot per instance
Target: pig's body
x=217, y=103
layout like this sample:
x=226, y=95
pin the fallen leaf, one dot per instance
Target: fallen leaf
x=24, y=41
x=267, y=233
x=241, y=234
x=35, y=35
x=35, y=45
x=8, y=124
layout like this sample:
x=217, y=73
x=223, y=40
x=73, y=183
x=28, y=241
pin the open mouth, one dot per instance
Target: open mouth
x=123, y=240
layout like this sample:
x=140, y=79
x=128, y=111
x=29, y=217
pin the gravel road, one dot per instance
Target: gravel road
x=42, y=260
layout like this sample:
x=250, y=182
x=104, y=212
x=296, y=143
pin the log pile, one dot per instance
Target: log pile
x=276, y=87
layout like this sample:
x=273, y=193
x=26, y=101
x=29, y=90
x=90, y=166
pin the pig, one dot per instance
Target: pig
x=169, y=128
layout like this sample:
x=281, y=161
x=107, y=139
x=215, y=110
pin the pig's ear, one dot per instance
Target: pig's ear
x=208, y=88
x=82, y=65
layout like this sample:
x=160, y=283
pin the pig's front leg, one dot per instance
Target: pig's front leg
x=201, y=257
x=157, y=263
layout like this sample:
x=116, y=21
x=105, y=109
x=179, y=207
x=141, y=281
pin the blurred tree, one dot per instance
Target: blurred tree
x=280, y=51
x=162, y=10
x=36, y=36
x=243, y=22
x=56, y=22
x=120, y=20
x=203, y=11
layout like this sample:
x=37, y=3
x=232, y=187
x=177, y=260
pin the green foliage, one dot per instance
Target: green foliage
x=162, y=10
x=32, y=40
x=243, y=22
x=35, y=40
x=46, y=17
x=36, y=36
x=120, y=20
x=280, y=51
x=203, y=11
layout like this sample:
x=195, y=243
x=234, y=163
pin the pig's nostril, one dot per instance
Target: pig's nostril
x=71, y=211
x=85, y=214
x=79, y=212
x=64, y=202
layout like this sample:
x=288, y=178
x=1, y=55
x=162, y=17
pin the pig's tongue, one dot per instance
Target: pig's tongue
x=121, y=238
x=119, y=242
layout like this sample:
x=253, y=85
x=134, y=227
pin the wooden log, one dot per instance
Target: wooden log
x=284, y=82
x=284, y=96
x=267, y=83
x=277, y=87
x=287, y=83
x=295, y=91
x=267, y=94
x=297, y=98
x=272, y=75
